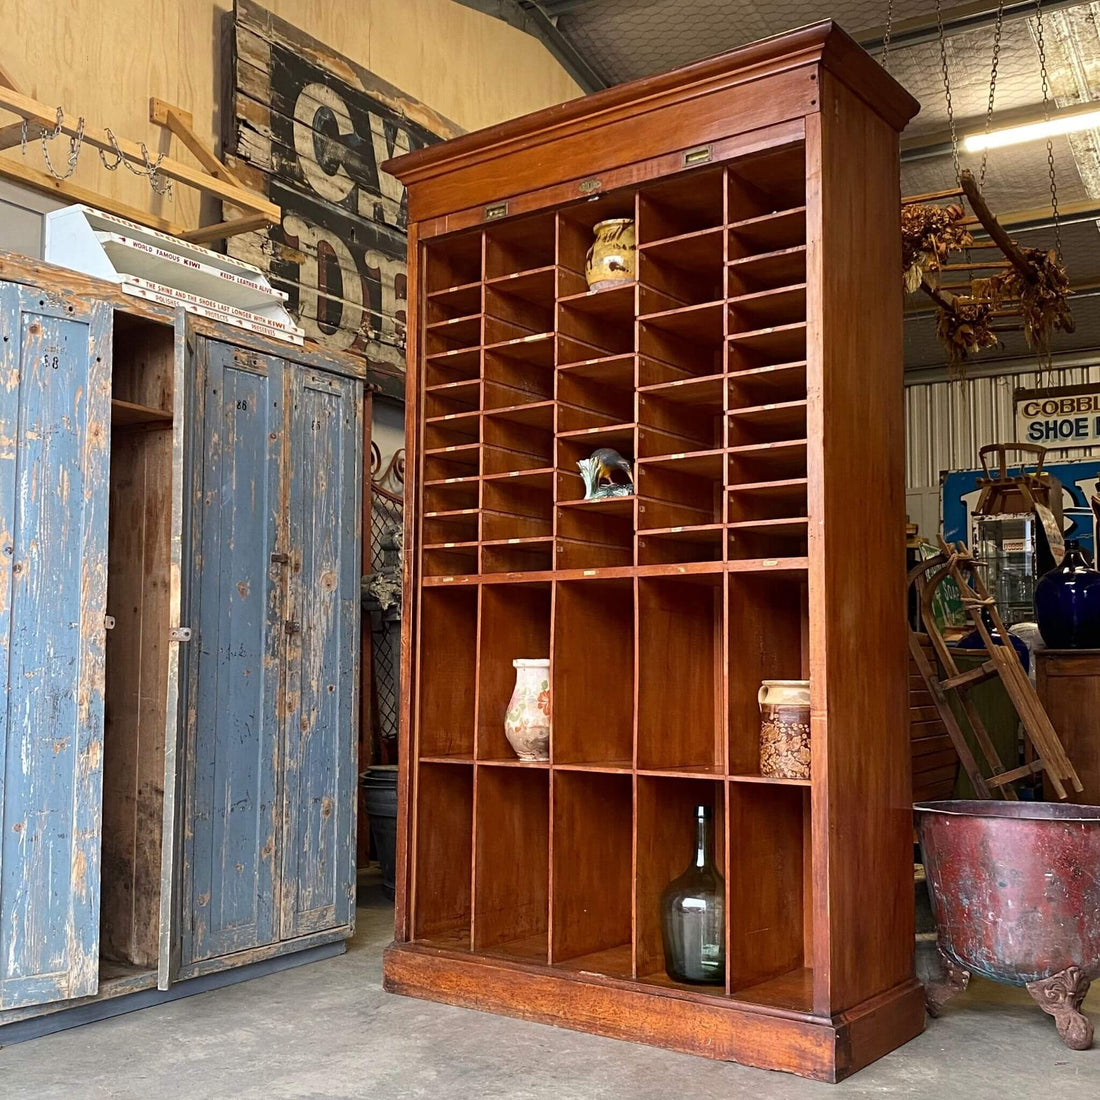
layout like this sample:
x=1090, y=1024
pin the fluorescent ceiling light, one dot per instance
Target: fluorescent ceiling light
x=1033, y=131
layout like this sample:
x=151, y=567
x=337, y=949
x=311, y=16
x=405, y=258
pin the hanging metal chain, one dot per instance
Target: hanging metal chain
x=157, y=181
x=947, y=90
x=992, y=86
x=886, y=36
x=1046, y=116
x=47, y=136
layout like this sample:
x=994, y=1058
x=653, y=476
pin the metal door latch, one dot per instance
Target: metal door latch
x=108, y=622
x=280, y=559
x=293, y=626
x=179, y=634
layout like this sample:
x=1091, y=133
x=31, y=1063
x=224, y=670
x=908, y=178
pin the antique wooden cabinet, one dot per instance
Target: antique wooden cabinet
x=179, y=620
x=749, y=369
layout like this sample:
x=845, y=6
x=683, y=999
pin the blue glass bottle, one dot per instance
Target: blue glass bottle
x=1067, y=603
x=693, y=915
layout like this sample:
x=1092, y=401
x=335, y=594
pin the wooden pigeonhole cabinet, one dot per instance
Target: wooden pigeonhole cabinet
x=180, y=529
x=752, y=370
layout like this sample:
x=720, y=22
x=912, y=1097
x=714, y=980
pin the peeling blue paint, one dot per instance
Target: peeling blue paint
x=55, y=421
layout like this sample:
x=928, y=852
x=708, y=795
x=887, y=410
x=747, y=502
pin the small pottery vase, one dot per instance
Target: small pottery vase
x=527, y=720
x=611, y=257
x=693, y=908
x=785, y=729
x=1067, y=603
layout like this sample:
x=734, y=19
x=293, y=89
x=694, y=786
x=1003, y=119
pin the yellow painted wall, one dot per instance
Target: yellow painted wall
x=105, y=58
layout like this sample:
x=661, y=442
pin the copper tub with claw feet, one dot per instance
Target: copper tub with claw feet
x=1015, y=890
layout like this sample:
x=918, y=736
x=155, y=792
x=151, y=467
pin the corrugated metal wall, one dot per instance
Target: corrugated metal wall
x=947, y=422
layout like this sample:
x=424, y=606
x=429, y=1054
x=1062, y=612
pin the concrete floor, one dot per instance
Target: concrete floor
x=327, y=1031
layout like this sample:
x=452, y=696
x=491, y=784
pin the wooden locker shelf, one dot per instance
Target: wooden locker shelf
x=533, y=888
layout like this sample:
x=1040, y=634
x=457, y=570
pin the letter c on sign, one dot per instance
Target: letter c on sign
x=311, y=102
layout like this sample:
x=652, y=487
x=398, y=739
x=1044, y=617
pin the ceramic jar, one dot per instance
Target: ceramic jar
x=1067, y=603
x=527, y=719
x=611, y=258
x=785, y=729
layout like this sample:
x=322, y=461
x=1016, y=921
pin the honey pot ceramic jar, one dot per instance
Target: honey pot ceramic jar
x=611, y=257
x=785, y=729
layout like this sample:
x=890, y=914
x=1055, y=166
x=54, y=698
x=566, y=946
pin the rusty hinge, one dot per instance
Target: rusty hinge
x=179, y=634
x=280, y=559
x=292, y=626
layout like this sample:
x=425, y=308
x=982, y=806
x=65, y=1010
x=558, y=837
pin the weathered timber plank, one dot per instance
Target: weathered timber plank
x=315, y=128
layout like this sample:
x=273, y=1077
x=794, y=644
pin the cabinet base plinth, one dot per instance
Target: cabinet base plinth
x=821, y=1048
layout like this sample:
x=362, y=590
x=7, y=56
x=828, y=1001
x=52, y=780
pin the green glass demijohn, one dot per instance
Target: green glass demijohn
x=693, y=914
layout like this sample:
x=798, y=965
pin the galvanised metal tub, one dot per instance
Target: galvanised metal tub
x=1015, y=890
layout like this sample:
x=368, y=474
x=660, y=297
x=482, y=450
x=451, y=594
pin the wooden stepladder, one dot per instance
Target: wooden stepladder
x=957, y=563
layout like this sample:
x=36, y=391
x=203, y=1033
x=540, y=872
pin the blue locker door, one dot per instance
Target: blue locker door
x=232, y=819
x=321, y=726
x=55, y=426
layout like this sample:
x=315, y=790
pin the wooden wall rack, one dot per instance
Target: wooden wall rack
x=752, y=367
x=212, y=178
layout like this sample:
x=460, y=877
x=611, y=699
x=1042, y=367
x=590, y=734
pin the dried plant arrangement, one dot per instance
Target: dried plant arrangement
x=964, y=328
x=929, y=233
x=1040, y=299
x=1035, y=286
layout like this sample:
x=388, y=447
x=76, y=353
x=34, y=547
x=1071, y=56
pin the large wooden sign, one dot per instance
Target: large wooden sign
x=309, y=128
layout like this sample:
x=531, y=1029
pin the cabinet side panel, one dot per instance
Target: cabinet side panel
x=136, y=693
x=410, y=603
x=862, y=795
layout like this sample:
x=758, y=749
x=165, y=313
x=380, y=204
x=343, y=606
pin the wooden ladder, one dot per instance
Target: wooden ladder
x=957, y=563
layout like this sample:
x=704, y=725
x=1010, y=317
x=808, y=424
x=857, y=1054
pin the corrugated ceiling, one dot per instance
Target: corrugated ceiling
x=626, y=39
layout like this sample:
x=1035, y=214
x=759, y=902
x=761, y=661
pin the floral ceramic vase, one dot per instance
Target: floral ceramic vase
x=611, y=258
x=527, y=720
x=785, y=729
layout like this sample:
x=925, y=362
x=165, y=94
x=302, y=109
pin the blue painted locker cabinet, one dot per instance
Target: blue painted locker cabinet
x=180, y=559
x=269, y=853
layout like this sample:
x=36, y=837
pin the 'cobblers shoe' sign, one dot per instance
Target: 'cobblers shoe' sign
x=1061, y=418
x=310, y=128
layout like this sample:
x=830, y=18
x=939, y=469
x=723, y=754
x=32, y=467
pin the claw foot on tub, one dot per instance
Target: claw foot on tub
x=938, y=991
x=1060, y=996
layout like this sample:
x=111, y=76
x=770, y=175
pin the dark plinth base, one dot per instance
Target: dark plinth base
x=825, y=1049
